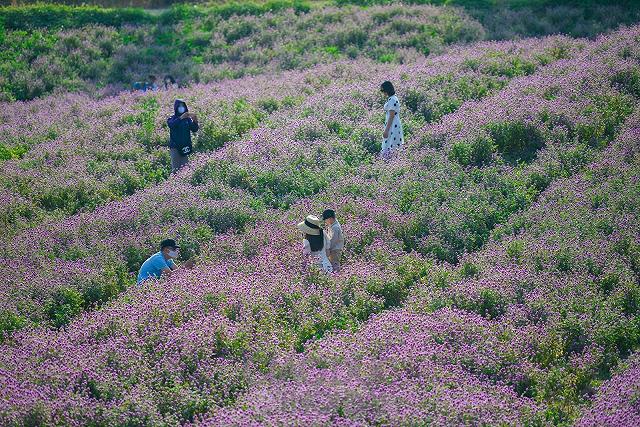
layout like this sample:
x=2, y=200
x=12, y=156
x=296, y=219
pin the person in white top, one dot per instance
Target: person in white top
x=335, y=238
x=315, y=242
x=393, y=135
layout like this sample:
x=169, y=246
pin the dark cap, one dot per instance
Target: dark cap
x=328, y=213
x=168, y=243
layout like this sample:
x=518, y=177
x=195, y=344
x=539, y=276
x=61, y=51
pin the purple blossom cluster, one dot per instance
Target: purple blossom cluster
x=104, y=60
x=536, y=336
x=495, y=286
x=324, y=133
x=617, y=403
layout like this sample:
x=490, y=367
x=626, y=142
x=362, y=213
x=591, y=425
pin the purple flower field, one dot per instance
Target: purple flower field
x=491, y=273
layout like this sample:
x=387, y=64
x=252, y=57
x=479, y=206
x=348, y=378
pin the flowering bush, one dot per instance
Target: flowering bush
x=291, y=156
x=206, y=44
x=502, y=291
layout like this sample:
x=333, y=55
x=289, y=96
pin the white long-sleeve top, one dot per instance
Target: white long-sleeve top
x=319, y=258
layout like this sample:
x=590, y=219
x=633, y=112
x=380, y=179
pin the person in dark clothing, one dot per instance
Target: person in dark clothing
x=181, y=124
x=170, y=82
x=151, y=83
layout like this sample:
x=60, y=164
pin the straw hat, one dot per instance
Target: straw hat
x=311, y=225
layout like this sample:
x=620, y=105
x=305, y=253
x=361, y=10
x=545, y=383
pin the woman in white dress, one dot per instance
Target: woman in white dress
x=393, y=135
x=315, y=242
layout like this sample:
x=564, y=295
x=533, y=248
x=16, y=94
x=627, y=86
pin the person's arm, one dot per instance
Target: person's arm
x=306, y=247
x=173, y=266
x=162, y=265
x=193, y=125
x=392, y=114
x=173, y=121
x=335, y=236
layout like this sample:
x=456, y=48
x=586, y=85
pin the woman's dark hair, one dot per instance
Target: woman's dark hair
x=387, y=87
x=316, y=242
x=172, y=81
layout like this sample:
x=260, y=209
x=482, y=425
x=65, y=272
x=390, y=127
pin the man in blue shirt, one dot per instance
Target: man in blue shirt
x=161, y=262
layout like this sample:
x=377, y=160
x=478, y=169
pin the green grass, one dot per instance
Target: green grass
x=46, y=47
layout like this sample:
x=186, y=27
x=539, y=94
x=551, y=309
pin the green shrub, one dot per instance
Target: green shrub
x=12, y=152
x=516, y=141
x=564, y=261
x=148, y=108
x=491, y=304
x=58, y=16
x=242, y=117
x=620, y=336
x=70, y=199
x=628, y=81
x=477, y=152
x=9, y=322
x=608, y=283
x=392, y=292
x=469, y=270
x=370, y=140
x=65, y=305
x=610, y=111
x=515, y=250
x=134, y=256
x=111, y=282
x=223, y=219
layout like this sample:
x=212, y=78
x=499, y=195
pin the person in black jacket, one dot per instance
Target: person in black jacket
x=181, y=124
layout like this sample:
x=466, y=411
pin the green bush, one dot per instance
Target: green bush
x=628, y=81
x=491, y=304
x=114, y=280
x=13, y=152
x=477, y=152
x=515, y=250
x=370, y=140
x=469, y=270
x=71, y=199
x=9, y=322
x=516, y=141
x=223, y=219
x=242, y=117
x=393, y=293
x=611, y=111
x=147, y=108
x=134, y=256
x=58, y=16
x=66, y=304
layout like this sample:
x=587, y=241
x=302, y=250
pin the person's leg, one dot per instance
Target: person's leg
x=177, y=160
x=183, y=161
x=334, y=258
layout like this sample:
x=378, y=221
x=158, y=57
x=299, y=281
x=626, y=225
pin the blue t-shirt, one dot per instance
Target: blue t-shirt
x=153, y=267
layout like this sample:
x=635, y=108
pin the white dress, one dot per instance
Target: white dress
x=396, y=136
x=320, y=257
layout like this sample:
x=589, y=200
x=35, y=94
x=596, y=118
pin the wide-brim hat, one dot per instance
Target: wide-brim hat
x=311, y=225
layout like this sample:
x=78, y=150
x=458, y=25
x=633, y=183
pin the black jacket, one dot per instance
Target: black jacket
x=180, y=129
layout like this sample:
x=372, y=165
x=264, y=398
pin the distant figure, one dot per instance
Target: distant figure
x=335, y=238
x=138, y=86
x=151, y=83
x=170, y=82
x=315, y=242
x=393, y=135
x=161, y=262
x=181, y=124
